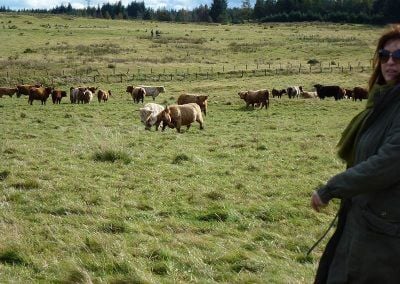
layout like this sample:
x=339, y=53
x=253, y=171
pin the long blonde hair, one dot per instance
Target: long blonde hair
x=391, y=34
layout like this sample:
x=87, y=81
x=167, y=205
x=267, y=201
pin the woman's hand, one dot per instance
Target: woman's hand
x=316, y=202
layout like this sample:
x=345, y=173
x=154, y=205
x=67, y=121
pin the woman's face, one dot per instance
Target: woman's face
x=391, y=67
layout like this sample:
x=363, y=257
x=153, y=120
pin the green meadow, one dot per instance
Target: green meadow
x=87, y=195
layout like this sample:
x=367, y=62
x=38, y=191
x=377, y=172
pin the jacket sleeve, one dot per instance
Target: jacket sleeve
x=378, y=172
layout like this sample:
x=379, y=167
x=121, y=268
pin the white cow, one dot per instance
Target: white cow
x=153, y=91
x=148, y=115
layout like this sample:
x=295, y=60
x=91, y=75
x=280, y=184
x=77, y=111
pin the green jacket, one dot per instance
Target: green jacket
x=367, y=248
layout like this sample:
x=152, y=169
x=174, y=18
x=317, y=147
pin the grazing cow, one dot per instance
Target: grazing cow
x=201, y=100
x=149, y=114
x=255, y=97
x=308, y=95
x=57, y=95
x=153, y=91
x=360, y=93
x=329, y=91
x=294, y=91
x=278, y=93
x=24, y=89
x=41, y=94
x=103, y=95
x=4, y=91
x=176, y=116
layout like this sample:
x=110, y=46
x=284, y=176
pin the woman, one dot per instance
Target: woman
x=365, y=247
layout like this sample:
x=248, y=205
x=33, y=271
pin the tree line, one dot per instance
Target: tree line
x=341, y=11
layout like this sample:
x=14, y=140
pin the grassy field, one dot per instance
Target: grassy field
x=88, y=196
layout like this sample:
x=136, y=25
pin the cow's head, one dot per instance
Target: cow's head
x=165, y=116
x=243, y=94
x=129, y=89
x=317, y=86
x=160, y=89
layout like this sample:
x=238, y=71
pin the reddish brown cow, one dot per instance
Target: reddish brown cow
x=4, y=91
x=360, y=93
x=57, y=95
x=103, y=95
x=259, y=97
x=41, y=94
x=201, y=100
x=24, y=89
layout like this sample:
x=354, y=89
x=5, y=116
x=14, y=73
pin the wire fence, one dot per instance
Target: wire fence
x=78, y=76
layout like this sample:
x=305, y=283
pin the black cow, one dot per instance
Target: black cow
x=329, y=91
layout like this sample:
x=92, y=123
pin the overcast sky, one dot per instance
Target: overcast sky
x=169, y=4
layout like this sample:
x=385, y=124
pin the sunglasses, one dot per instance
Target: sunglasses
x=384, y=55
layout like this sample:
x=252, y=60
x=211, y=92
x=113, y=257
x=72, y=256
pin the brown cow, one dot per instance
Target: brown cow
x=57, y=95
x=41, y=94
x=201, y=100
x=24, y=89
x=103, y=95
x=255, y=97
x=4, y=91
x=360, y=93
x=176, y=116
x=137, y=93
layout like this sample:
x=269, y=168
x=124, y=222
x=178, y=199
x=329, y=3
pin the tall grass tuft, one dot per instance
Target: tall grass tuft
x=180, y=159
x=78, y=276
x=112, y=156
x=12, y=257
x=27, y=184
x=4, y=174
x=214, y=216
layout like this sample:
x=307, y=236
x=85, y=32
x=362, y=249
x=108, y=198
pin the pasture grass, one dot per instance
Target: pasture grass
x=88, y=195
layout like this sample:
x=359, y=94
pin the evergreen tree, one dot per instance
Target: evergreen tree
x=218, y=11
x=246, y=9
x=259, y=9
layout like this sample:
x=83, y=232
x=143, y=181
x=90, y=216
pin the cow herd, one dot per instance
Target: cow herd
x=261, y=97
x=188, y=108
x=41, y=93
